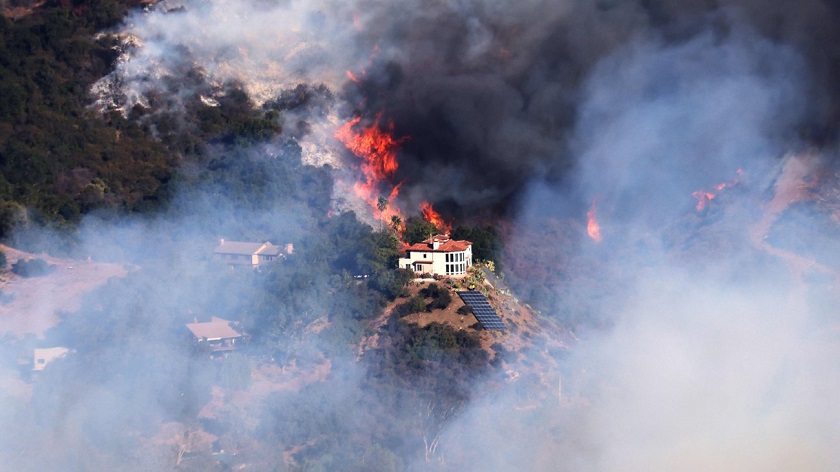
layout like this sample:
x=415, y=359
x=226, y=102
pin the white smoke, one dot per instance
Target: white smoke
x=717, y=357
x=267, y=46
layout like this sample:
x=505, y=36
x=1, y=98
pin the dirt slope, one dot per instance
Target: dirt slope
x=31, y=305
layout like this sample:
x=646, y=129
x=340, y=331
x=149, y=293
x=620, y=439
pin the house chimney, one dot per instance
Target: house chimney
x=222, y=241
x=290, y=248
x=435, y=243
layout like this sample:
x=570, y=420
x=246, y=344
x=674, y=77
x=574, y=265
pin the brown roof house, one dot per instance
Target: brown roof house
x=250, y=254
x=217, y=335
x=438, y=255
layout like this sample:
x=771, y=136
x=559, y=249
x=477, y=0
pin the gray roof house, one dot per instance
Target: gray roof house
x=218, y=334
x=250, y=254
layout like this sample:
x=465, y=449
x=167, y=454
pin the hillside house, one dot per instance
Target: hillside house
x=42, y=357
x=219, y=335
x=438, y=255
x=250, y=254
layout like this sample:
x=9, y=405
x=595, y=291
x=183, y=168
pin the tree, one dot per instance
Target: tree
x=441, y=300
x=396, y=224
x=417, y=229
x=32, y=268
x=382, y=205
x=487, y=245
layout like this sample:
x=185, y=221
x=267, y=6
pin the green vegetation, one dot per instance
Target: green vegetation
x=32, y=267
x=208, y=171
x=58, y=159
x=441, y=298
x=414, y=305
x=417, y=230
x=487, y=245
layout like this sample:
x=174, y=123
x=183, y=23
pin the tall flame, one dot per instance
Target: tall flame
x=433, y=217
x=592, y=227
x=378, y=151
x=704, y=197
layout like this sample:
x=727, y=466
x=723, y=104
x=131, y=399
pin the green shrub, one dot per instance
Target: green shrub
x=441, y=301
x=415, y=305
x=32, y=267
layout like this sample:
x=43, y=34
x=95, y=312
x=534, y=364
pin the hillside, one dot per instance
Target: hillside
x=31, y=305
x=657, y=183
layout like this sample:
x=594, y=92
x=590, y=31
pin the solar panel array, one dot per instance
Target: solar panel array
x=484, y=313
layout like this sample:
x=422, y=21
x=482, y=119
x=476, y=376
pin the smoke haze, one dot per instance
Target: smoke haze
x=489, y=93
x=705, y=341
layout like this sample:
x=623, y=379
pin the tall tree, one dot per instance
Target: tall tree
x=382, y=205
x=417, y=229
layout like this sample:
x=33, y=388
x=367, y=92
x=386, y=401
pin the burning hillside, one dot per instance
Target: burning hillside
x=602, y=138
x=377, y=150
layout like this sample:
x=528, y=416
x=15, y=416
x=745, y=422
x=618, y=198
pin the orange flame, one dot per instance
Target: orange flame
x=352, y=76
x=592, y=227
x=378, y=151
x=703, y=197
x=433, y=217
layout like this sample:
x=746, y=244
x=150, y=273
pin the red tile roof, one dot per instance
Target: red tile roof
x=446, y=245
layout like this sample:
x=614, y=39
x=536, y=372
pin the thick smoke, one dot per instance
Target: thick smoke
x=715, y=356
x=488, y=93
x=719, y=351
x=134, y=394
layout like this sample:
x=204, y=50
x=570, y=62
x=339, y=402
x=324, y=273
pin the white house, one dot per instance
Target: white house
x=44, y=356
x=246, y=253
x=438, y=255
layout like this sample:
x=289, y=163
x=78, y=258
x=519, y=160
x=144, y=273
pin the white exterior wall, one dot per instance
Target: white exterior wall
x=438, y=261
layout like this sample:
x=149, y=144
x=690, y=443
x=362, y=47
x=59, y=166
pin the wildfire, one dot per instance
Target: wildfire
x=703, y=197
x=378, y=151
x=433, y=217
x=592, y=227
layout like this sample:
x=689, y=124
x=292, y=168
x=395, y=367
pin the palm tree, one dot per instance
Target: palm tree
x=396, y=223
x=382, y=205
